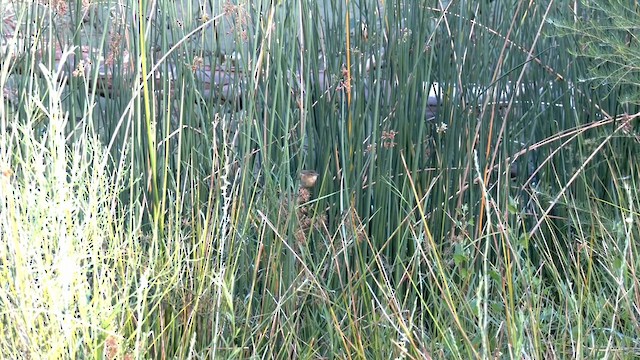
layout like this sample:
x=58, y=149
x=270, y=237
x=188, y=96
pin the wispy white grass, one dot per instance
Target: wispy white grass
x=54, y=224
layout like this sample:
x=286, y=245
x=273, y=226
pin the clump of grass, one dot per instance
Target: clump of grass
x=165, y=219
x=61, y=285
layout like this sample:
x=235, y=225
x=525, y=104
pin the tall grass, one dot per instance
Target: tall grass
x=148, y=211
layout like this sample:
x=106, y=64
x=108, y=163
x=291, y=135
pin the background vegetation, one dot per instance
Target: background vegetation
x=477, y=193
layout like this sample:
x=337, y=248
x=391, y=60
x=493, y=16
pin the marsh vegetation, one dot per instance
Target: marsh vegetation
x=287, y=179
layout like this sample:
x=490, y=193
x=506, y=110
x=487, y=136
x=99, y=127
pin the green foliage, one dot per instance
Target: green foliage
x=476, y=197
x=607, y=38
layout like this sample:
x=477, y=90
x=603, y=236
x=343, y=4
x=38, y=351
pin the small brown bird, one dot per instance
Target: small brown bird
x=308, y=178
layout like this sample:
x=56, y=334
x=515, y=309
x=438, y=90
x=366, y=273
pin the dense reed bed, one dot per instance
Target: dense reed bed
x=294, y=179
